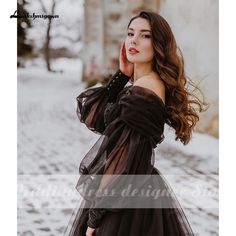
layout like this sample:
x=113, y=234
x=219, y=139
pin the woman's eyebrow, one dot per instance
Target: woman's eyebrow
x=142, y=30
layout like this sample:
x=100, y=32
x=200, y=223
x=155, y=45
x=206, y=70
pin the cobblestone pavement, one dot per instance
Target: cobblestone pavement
x=51, y=143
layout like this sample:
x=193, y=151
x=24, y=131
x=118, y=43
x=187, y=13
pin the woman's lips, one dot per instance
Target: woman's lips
x=133, y=51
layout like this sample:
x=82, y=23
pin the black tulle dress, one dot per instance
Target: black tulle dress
x=131, y=122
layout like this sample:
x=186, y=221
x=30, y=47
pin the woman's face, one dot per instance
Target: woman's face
x=138, y=43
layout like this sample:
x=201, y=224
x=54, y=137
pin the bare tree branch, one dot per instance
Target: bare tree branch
x=53, y=7
x=43, y=6
x=70, y=31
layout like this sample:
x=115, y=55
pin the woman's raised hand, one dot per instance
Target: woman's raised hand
x=126, y=66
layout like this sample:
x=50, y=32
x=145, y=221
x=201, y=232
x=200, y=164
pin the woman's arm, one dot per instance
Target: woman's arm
x=91, y=103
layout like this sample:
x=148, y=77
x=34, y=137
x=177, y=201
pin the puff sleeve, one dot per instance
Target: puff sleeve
x=91, y=103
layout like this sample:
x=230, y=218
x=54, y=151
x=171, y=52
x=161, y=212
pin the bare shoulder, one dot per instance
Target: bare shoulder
x=154, y=83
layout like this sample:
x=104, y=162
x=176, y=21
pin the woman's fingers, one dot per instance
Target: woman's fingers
x=125, y=65
x=121, y=48
x=123, y=53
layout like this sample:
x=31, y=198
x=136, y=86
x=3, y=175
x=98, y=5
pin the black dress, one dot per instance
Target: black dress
x=131, y=122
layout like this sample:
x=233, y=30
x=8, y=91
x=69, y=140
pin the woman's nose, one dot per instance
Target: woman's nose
x=134, y=40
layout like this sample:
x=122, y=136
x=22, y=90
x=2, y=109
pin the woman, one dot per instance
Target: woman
x=131, y=123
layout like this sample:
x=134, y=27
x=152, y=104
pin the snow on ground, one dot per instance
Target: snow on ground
x=51, y=143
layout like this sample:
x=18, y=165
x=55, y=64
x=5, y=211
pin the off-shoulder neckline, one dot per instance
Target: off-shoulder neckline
x=149, y=91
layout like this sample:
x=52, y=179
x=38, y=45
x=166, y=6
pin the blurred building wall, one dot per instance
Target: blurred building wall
x=195, y=26
x=105, y=23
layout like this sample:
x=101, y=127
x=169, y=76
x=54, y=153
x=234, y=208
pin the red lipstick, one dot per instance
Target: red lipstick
x=133, y=51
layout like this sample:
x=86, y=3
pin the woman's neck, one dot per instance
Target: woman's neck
x=141, y=70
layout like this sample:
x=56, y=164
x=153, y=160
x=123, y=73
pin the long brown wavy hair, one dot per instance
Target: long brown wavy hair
x=182, y=105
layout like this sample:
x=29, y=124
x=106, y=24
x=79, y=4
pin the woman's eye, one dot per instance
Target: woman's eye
x=143, y=36
x=147, y=36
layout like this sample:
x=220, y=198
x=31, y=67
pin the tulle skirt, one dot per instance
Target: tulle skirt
x=135, y=221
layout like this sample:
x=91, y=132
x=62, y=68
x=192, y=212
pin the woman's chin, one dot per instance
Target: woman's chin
x=135, y=59
x=131, y=59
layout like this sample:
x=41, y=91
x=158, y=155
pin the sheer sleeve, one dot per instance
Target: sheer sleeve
x=127, y=145
x=92, y=103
